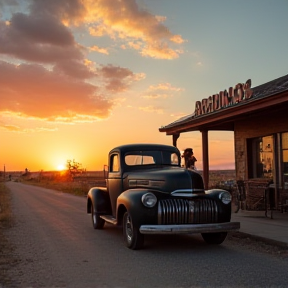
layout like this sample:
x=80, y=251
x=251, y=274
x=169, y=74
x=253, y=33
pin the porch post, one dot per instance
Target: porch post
x=205, y=158
x=175, y=137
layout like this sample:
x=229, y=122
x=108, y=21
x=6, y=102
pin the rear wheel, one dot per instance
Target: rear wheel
x=132, y=237
x=214, y=238
x=97, y=222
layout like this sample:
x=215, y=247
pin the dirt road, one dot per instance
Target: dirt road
x=55, y=241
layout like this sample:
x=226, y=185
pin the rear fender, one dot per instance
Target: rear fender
x=99, y=197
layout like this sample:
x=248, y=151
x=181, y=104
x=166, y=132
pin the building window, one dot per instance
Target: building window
x=266, y=156
x=260, y=157
x=284, y=145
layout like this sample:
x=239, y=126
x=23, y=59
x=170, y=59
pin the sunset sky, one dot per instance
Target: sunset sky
x=78, y=77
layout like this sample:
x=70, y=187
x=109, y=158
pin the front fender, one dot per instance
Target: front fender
x=224, y=209
x=99, y=198
x=132, y=201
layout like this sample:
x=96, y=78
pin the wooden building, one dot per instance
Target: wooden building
x=259, y=118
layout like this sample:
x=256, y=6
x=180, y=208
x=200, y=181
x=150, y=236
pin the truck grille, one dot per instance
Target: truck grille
x=182, y=211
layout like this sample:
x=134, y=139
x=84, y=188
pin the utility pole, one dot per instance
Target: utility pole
x=4, y=172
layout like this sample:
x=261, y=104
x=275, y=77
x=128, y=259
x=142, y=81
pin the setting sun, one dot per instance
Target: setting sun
x=60, y=167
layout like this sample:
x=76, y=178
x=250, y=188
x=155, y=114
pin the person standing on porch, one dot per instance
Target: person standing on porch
x=189, y=159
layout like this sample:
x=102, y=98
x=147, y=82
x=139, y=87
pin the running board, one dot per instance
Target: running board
x=109, y=219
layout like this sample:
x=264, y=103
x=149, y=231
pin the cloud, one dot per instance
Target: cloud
x=74, y=68
x=118, y=78
x=152, y=109
x=43, y=45
x=125, y=20
x=16, y=128
x=163, y=90
x=40, y=28
x=55, y=80
x=68, y=11
x=122, y=20
x=178, y=115
x=165, y=86
x=42, y=38
x=160, y=50
x=12, y=128
x=55, y=96
x=98, y=49
x=155, y=96
x=48, y=95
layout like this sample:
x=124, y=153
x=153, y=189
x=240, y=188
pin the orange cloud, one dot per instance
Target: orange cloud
x=55, y=96
x=125, y=20
x=47, y=94
x=13, y=128
x=98, y=49
x=60, y=83
x=152, y=109
x=160, y=51
x=155, y=96
x=165, y=86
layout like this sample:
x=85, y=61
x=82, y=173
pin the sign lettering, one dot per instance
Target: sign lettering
x=233, y=96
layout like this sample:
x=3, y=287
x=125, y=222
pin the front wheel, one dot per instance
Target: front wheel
x=132, y=237
x=214, y=238
x=97, y=222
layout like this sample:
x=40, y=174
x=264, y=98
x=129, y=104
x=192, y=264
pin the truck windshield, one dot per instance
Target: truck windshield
x=136, y=158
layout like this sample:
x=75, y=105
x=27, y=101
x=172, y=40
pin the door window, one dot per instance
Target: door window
x=114, y=163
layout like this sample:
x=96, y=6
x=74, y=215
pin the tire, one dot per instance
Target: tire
x=97, y=222
x=214, y=238
x=132, y=237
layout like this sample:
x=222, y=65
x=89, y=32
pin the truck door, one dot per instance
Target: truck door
x=114, y=182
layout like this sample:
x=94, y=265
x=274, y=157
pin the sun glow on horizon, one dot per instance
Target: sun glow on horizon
x=61, y=167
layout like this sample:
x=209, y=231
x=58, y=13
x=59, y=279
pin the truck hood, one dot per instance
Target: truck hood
x=174, y=180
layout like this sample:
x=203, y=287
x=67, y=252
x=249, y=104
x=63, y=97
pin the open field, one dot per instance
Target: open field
x=81, y=183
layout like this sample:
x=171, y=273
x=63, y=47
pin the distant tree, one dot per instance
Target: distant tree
x=26, y=173
x=74, y=168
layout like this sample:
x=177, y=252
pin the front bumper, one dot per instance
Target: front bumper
x=189, y=228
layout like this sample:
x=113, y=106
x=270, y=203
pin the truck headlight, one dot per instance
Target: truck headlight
x=149, y=200
x=225, y=197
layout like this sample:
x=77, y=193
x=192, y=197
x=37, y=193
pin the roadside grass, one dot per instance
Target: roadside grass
x=74, y=188
x=5, y=207
x=6, y=222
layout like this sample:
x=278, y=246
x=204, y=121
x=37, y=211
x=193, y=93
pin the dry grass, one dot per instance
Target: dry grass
x=75, y=188
x=6, y=221
x=5, y=207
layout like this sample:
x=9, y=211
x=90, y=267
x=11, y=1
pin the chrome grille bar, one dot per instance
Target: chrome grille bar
x=183, y=211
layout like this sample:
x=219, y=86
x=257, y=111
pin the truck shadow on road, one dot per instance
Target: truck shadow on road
x=113, y=236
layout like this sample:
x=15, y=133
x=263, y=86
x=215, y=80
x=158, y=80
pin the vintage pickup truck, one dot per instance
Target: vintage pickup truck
x=148, y=192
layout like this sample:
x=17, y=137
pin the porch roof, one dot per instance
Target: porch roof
x=268, y=96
